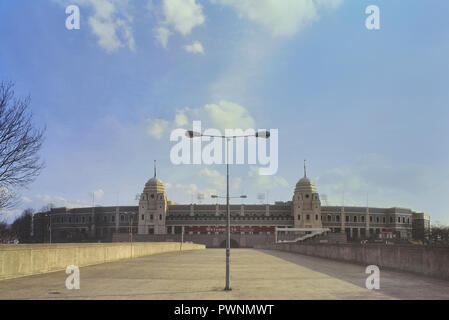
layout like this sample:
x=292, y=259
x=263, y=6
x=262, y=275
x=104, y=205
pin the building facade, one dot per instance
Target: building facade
x=421, y=226
x=155, y=217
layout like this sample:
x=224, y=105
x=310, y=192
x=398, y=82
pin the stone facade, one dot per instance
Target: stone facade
x=155, y=215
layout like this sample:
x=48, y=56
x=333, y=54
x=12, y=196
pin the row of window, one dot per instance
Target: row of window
x=356, y=219
x=87, y=219
x=178, y=230
x=151, y=217
x=233, y=217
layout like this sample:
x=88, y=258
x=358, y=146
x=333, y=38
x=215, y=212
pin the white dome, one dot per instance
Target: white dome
x=305, y=185
x=154, y=185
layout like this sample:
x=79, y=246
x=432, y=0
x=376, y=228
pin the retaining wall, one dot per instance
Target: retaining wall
x=23, y=260
x=430, y=261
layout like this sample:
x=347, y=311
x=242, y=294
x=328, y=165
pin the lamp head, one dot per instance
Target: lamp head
x=192, y=134
x=263, y=134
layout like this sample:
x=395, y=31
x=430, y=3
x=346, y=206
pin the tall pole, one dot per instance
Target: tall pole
x=182, y=238
x=49, y=216
x=193, y=134
x=228, y=222
x=132, y=243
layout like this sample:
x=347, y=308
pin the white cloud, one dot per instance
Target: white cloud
x=250, y=52
x=110, y=22
x=156, y=127
x=281, y=18
x=229, y=115
x=180, y=16
x=191, y=190
x=162, y=35
x=387, y=184
x=181, y=119
x=213, y=178
x=224, y=115
x=58, y=201
x=98, y=194
x=266, y=182
x=195, y=47
x=183, y=15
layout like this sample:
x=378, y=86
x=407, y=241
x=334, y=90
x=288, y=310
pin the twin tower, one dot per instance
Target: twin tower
x=306, y=206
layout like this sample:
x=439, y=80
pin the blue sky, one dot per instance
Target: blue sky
x=367, y=109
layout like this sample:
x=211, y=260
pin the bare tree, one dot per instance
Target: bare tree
x=20, y=143
x=439, y=234
x=5, y=232
x=21, y=227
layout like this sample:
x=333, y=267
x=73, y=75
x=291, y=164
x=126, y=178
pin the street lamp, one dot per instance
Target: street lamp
x=239, y=197
x=130, y=227
x=261, y=134
x=49, y=225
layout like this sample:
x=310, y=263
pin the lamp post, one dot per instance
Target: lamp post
x=49, y=225
x=130, y=228
x=262, y=134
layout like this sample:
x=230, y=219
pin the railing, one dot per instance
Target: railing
x=313, y=232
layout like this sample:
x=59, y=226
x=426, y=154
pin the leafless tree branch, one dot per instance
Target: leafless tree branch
x=20, y=143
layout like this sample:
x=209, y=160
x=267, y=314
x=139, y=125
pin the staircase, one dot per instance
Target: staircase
x=303, y=238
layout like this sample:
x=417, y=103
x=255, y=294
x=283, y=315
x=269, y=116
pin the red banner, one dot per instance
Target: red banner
x=234, y=229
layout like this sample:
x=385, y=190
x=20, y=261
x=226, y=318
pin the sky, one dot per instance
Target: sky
x=368, y=109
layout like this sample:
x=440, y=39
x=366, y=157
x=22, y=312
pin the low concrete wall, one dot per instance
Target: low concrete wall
x=23, y=260
x=209, y=240
x=430, y=261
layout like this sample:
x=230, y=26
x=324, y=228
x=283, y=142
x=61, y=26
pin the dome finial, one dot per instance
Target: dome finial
x=305, y=170
x=155, y=168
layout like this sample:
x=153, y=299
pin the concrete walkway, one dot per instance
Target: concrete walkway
x=200, y=275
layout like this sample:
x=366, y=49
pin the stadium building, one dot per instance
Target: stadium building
x=158, y=219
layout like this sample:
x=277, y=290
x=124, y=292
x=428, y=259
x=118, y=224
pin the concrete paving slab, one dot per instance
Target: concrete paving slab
x=200, y=275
